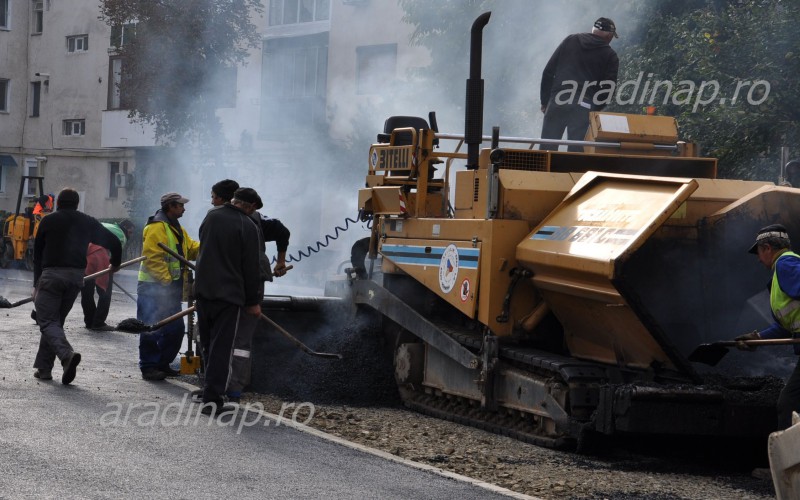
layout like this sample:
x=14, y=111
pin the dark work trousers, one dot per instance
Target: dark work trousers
x=219, y=324
x=95, y=315
x=55, y=294
x=573, y=117
x=789, y=400
x=155, y=302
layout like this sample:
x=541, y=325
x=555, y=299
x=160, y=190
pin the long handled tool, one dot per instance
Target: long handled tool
x=124, y=291
x=6, y=304
x=711, y=354
x=109, y=268
x=133, y=325
x=299, y=344
x=286, y=334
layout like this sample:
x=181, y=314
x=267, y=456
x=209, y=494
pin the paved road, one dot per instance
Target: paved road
x=111, y=434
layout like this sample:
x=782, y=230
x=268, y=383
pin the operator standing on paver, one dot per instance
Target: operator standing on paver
x=581, y=66
x=59, y=259
x=160, y=287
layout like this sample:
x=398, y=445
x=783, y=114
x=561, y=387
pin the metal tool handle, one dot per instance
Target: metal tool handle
x=756, y=343
x=299, y=344
x=108, y=270
x=170, y=319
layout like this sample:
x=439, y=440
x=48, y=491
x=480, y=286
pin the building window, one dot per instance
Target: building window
x=78, y=43
x=294, y=81
x=74, y=127
x=38, y=16
x=36, y=93
x=122, y=34
x=298, y=11
x=31, y=186
x=114, y=79
x=113, y=170
x=4, y=17
x=4, y=87
x=375, y=66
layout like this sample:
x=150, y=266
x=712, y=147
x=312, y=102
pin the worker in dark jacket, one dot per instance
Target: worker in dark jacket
x=228, y=294
x=59, y=259
x=579, y=77
x=773, y=248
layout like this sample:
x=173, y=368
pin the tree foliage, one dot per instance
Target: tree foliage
x=173, y=70
x=735, y=44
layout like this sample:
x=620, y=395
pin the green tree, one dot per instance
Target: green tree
x=174, y=70
x=750, y=44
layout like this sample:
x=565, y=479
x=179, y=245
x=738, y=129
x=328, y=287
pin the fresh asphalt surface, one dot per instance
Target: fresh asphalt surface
x=112, y=434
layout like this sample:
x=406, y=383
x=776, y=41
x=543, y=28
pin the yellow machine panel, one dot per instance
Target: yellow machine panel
x=579, y=249
x=450, y=269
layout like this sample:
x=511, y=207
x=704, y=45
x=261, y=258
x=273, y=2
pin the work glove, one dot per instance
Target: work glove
x=747, y=336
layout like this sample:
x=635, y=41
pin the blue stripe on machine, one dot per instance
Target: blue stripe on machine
x=416, y=255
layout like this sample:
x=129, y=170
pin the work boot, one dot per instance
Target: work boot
x=153, y=374
x=43, y=374
x=169, y=371
x=196, y=396
x=70, y=365
x=102, y=327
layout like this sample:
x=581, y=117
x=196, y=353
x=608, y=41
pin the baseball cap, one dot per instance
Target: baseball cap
x=173, y=197
x=606, y=24
x=771, y=231
x=248, y=195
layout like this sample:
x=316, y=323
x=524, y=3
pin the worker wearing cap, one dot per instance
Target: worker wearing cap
x=160, y=286
x=228, y=292
x=222, y=192
x=584, y=65
x=773, y=248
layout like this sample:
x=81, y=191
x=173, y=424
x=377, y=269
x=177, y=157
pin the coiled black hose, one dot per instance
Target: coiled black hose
x=319, y=245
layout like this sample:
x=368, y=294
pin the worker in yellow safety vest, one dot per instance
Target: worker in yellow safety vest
x=773, y=248
x=160, y=286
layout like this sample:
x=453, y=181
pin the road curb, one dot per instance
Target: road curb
x=378, y=453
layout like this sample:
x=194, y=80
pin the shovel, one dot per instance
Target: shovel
x=133, y=325
x=108, y=270
x=711, y=354
x=299, y=344
x=5, y=304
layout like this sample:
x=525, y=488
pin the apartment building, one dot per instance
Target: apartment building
x=323, y=65
x=54, y=88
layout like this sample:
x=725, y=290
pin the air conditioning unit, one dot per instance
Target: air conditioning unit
x=124, y=181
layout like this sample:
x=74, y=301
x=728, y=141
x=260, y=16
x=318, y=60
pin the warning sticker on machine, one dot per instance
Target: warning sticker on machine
x=465, y=289
x=448, y=268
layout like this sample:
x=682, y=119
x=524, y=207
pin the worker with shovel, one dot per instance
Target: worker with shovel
x=59, y=259
x=160, y=286
x=773, y=248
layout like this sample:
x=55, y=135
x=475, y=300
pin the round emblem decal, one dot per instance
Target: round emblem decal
x=465, y=288
x=448, y=268
x=374, y=158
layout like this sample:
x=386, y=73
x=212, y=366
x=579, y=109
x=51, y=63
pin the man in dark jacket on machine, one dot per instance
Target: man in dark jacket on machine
x=228, y=294
x=581, y=70
x=59, y=259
